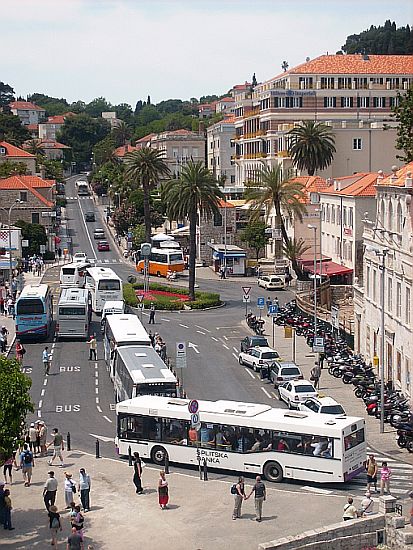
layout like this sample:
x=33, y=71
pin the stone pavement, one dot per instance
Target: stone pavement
x=199, y=515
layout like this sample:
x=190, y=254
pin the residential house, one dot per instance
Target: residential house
x=354, y=94
x=49, y=129
x=53, y=150
x=28, y=112
x=388, y=258
x=110, y=117
x=11, y=153
x=220, y=150
x=178, y=147
x=205, y=110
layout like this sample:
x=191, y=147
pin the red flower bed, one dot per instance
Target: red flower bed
x=151, y=295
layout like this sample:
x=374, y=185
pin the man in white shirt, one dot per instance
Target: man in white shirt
x=49, y=491
x=84, y=489
x=367, y=504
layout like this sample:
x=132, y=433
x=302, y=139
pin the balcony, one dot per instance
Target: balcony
x=253, y=135
x=252, y=112
x=250, y=156
x=283, y=154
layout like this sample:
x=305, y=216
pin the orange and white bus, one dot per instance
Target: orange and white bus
x=161, y=261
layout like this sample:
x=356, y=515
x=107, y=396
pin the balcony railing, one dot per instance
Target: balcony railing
x=249, y=156
x=252, y=112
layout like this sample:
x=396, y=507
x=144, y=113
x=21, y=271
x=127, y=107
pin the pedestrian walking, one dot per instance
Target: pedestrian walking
x=238, y=490
x=349, y=510
x=92, y=348
x=46, y=360
x=55, y=524
x=84, y=489
x=152, y=338
x=7, y=510
x=3, y=343
x=32, y=437
x=26, y=464
x=385, y=474
x=371, y=468
x=137, y=473
x=163, y=491
x=152, y=314
x=20, y=351
x=42, y=438
x=50, y=490
x=58, y=447
x=2, y=506
x=276, y=303
x=8, y=467
x=70, y=489
x=77, y=520
x=74, y=541
x=260, y=495
x=315, y=375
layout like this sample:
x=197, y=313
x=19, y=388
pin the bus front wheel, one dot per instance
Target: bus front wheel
x=158, y=274
x=273, y=472
x=158, y=455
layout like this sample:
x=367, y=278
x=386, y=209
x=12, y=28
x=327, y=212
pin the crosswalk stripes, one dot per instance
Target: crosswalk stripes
x=108, y=261
x=80, y=198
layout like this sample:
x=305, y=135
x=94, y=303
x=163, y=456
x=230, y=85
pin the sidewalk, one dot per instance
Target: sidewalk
x=199, y=516
x=333, y=387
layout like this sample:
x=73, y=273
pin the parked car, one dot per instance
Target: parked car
x=103, y=246
x=281, y=372
x=90, y=217
x=271, y=282
x=253, y=342
x=80, y=257
x=322, y=405
x=98, y=233
x=295, y=392
x=257, y=357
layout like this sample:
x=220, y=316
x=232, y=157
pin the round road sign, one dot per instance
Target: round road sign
x=193, y=406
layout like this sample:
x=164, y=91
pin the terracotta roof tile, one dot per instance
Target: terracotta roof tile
x=25, y=106
x=361, y=184
x=13, y=151
x=225, y=204
x=311, y=184
x=398, y=179
x=33, y=127
x=29, y=183
x=123, y=149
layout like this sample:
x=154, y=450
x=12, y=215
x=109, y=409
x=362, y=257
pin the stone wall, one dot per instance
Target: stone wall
x=22, y=211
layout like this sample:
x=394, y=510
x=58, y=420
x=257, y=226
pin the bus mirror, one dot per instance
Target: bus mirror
x=131, y=279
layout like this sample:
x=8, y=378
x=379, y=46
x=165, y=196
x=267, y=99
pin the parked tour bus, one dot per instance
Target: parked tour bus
x=74, y=274
x=111, y=308
x=161, y=261
x=34, y=312
x=74, y=312
x=122, y=330
x=140, y=371
x=104, y=285
x=244, y=437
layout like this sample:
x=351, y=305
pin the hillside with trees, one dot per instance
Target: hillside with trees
x=387, y=39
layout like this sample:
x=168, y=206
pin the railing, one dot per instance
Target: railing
x=249, y=156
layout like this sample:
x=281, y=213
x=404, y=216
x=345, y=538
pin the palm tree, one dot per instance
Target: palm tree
x=293, y=250
x=278, y=192
x=311, y=146
x=194, y=192
x=121, y=133
x=146, y=167
x=34, y=147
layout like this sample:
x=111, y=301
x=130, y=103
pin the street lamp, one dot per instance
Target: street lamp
x=314, y=228
x=17, y=201
x=381, y=253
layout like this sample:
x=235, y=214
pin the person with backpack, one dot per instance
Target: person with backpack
x=238, y=490
x=315, y=375
x=54, y=523
x=260, y=494
x=26, y=464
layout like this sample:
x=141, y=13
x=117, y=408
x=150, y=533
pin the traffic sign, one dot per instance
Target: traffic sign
x=273, y=309
x=318, y=345
x=334, y=317
x=193, y=406
x=140, y=297
x=181, y=355
x=140, y=306
x=246, y=299
x=194, y=419
x=246, y=290
x=261, y=302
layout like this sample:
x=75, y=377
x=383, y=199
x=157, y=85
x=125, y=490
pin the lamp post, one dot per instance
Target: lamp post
x=314, y=228
x=225, y=239
x=50, y=191
x=17, y=201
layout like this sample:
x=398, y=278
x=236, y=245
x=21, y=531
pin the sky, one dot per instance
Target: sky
x=124, y=50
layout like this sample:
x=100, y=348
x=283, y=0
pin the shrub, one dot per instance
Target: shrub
x=165, y=288
x=129, y=295
x=61, y=201
x=202, y=299
x=48, y=255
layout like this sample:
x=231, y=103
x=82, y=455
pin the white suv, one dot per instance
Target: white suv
x=271, y=282
x=322, y=405
x=258, y=357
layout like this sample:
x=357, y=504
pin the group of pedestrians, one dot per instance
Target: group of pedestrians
x=163, y=486
x=260, y=495
x=158, y=344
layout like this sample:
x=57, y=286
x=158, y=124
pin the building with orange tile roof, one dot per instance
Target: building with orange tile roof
x=388, y=261
x=11, y=153
x=220, y=152
x=354, y=94
x=28, y=112
x=48, y=129
x=53, y=150
x=178, y=147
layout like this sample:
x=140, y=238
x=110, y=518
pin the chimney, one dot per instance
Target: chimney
x=394, y=169
x=380, y=177
x=337, y=185
x=408, y=180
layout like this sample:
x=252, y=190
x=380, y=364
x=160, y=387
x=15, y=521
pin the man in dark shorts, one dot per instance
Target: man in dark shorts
x=74, y=541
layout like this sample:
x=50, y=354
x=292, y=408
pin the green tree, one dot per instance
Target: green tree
x=145, y=168
x=104, y=151
x=403, y=113
x=15, y=403
x=311, y=146
x=6, y=94
x=293, y=250
x=53, y=169
x=283, y=194
x=12, y=130
x=53, y=105
x=98, y=106
x=10, y=168
x=194, y=192
x=254, y=235
x=138, y=236
x=34, y=146
x=81, y=133
x=35, y=234
x=387, y=39
x=121, y=133
x=124, y=112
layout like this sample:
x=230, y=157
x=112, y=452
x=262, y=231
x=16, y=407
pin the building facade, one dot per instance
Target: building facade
x=388, y=243
x=28, y=112
x=178, y=147
x=11, y=153
x=48, y=129
x=220, y=150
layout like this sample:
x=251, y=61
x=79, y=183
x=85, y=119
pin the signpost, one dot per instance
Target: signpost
x=181, y=359
x=260, y=304
x=272, y=311
x=318, y=345
x=246, y=297
x=335, y=323
x=193, y=408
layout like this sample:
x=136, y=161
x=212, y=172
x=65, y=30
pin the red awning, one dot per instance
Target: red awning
x=330, y=269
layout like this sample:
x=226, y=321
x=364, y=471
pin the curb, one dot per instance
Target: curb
x=137, y=311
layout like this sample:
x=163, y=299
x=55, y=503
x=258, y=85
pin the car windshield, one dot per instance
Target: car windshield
x=269, y=355
x=290, y=371
x=332, y=409
x=259, y=342
x=305, y=389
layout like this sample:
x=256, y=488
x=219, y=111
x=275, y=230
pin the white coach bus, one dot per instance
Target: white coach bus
x=140, y=371
x=73, y=313
x=104, y=285
x=244, y=437
x=74, y=274
x=122, y=330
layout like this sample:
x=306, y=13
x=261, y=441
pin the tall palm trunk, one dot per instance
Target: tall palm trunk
x=286, y=239
x=192, y=254
x=147, y=212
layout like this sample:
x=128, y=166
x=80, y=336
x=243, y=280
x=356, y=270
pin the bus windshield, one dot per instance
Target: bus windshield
x=27, y=306
x=72, y=311
x=109, y=284
x=175, y=257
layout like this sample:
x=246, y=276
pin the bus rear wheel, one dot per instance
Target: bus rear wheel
x=158, y=455
x=158, y=274
x=273, y=472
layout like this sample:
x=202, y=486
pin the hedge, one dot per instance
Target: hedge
x=202, y=299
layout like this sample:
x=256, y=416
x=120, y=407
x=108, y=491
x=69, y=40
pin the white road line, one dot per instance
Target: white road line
x=184, y=326
x=235, y=349
x=266, y=393
x=97, y=400
x=225, y=337
x=216, y=339
x=225, y=346
x=316, y=490
x=236, y=356
x=45, y=382
x=200, y=332
x=167, y=320
x=96, y=373
x=274, y=394
x=97, y=382
x=40, y=404
x=42, y=392
x=249, y=372
x=96, y=390
x=39, y=414
x=108, y=419
x=202, y=328
x=98, y=408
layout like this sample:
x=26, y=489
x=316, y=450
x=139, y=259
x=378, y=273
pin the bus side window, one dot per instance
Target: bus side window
x=173, y=430
x=131, y=427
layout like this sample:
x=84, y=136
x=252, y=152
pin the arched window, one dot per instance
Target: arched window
x=399, y=218
x=390, y=217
